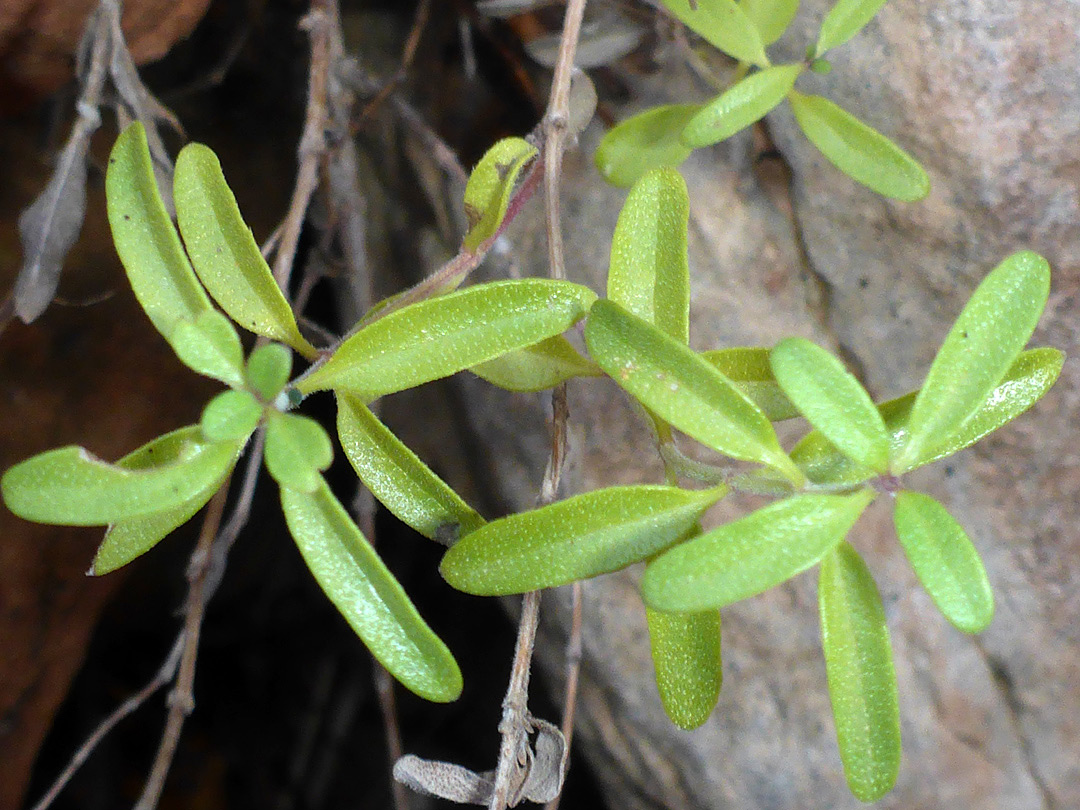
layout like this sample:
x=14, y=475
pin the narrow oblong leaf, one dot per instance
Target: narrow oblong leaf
x=146, y=239
x=681, y=388
x=832, y=400
x=224, y=252
x=748, y=368
x=647, y=141
x=231, y=415
x=686, y=654
x=945, y=560
x=397, y=477
x=844, y=20
x=750, y=555
x=268, y=369
x=442, y=336
x=71, y=487
x=211, y=347
x=581, y=537
x=860, y=152
x=487, y=193
x=371, y=600
x=724, y=25
x=536, y=368
x=1031, y=376
x=986, y=339
x=745, y=102
x=770, y=17
x=297, y=450
x=862, y=681
x=649, y=274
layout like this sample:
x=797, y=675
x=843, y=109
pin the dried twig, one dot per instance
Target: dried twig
x=408, y=54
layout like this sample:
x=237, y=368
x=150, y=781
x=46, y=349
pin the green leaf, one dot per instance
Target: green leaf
x=371, y=600
x=862, y=153
x=211, y=347
x=748, y=367
x=724, y=25
x=268, y=369
x=832, y=400
x=862, y=682
x=536, y=368
x=1026, y=381
x=145, y=238
x=681, y=388
x=649, y=274
x=750, y=555
x=741, y=105
x=649, y=140
x=770, y=17
x=988, y=335
x=231, y=415
x=945, y=561
x=487, y=194
x=71, y=487
x=224, y=252
x=397, y=478
x=442, y=336
x=297, y=449
x=686, y=655
x=844, y=20
x=578, y=538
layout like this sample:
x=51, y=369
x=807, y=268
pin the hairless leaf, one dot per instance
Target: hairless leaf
x=578, y=538
x=371, y=600
x=686, y=655
x=983, y=343
x=231, y=415
x=649, y=274
x=210, y=346
x=832, y=400
x=145, y=238
x=770, y=17
x=224, y=252
x=681, y=388
x=723, y=24
x=71, y=487
x=748, y=367
x=750, y=555
x=268, y=369
x=844, y=20
x=741, y=105
x=397, y=477
x=442, y=336
x=297, y=448
x=487, y=194
x=862, y=682
x=945, y=561
x=862, y=153
x=649, y=140
x=536, y=368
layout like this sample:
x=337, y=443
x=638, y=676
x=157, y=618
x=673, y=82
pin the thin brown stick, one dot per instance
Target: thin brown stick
x=573, y=668
x=420, y=20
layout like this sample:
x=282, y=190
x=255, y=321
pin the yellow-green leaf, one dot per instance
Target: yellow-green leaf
x=231, y=415
x=487, y=194
x=211, y=347
x=770, y=17
x=297, y=450
x=748, y=367
x=536, y=368
x=649, y=140
x=268, y=369
x=686, y=655
x=745, y=102
x=724, y=25
x=844, y=20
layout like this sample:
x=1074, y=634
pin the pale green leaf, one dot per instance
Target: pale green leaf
x=268, y=369
x=844, y=20
x=210, y=346
x=231, y=415
x=832, y=400
x=297, y=449
x=862, y=682
x=371, y=600
x=748, y=367
x=397, y=478
x=990, y=332
x=745, y=102
x=750, y=555
x=681, y=387
x=686, y=655
x=224, y=252
x=487, y=193
x=945, y=561
x=724, y=25
x=145, y=238
x=536, y=368
x=649, y=274
x=770, y=17
x=442, y=336
x=649, y=140
x=578, y=538
x=862, y=153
